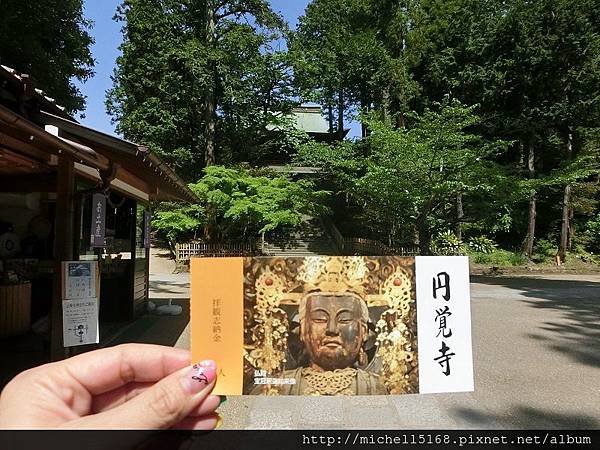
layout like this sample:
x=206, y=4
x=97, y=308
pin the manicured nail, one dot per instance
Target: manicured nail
x=200, y=376
x=219, y=422
x=223, y=399
x=208, y=363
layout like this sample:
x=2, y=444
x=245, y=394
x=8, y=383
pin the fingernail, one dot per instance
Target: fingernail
x=200, y=376
x=219, y=422
x=223, y=399
x=208, y=363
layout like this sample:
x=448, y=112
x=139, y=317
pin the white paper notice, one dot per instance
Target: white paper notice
x=79, y=280
x=80, y=322
x=444, y=324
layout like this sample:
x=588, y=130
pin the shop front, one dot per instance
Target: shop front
x=69, y=193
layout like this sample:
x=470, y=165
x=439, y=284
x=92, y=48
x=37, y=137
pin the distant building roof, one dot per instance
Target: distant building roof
x=312, y=120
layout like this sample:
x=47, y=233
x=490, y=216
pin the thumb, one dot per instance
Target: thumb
x=161, y=406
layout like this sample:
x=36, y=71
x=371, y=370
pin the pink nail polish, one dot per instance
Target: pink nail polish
x=200, y=376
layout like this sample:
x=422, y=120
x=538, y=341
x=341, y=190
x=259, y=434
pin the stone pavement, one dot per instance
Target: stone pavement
x=536, y=345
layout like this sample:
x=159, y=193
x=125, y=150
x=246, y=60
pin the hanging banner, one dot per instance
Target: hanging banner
x=147, y=229
x=98, y=232
x=333, y=325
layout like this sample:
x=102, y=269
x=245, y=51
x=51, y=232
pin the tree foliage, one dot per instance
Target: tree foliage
x=169, y=64
x=406, y=179
x=50, y=41
x=243, y=205
x=531, y=70
x=349, y=55
x=513, y=157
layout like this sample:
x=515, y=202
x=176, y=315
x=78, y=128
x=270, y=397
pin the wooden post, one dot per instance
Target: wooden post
x=63, y=250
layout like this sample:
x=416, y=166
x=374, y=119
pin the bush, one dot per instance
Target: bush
x=544, y=250
x=447, y=244
x=237, y=205
x=499, y=258
x=176, y=223
x=592, y=233
x=483, y=244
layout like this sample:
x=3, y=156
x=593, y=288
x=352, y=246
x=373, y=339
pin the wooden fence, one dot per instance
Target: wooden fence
x=183, y=252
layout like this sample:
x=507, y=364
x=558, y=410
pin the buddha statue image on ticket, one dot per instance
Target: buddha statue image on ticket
x=330, y=326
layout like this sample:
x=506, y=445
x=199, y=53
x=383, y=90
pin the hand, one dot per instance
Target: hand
x=132, y=386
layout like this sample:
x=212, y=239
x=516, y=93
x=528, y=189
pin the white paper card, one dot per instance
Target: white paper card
x=79, y=278
x=80, y=322
x=444, y=324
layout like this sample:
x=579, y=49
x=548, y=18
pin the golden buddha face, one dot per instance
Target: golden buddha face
x=333, y=330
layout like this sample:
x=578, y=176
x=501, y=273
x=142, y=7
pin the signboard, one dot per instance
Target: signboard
x=147, y=228
x=98, y=230
x=80, y=280
x=333, y=325
x=80, y=322
x=444, y=323
x=80, y=295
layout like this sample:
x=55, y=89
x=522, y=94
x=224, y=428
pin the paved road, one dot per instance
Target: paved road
x=536, y=355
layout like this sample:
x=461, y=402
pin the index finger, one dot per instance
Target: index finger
x=103, y=370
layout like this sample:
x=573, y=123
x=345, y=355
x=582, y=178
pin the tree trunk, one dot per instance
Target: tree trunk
x=400, y=121
x=330, y=119
x=210, y=101
x=459, y=215
x=341, y=108
x=385, y=106
x=530, y=238
x=565, y=230
x=364, y=106
x=571, y=232
x=424, y=236
x=416, y=237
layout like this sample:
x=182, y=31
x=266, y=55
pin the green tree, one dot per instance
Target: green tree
x=533, y=69
x=197, y=75
x=408, y=180
x=341, y=59
x=239, y=205
x=50, y=41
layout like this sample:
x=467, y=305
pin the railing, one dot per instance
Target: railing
x=183, y=252
x=366, y=247
x=332, y=230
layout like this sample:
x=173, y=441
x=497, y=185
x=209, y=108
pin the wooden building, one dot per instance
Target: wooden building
x=51, y=166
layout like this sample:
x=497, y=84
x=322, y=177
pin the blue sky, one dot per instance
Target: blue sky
x=107, y=34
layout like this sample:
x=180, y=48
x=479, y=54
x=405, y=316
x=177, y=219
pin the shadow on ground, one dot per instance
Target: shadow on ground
x=152, y=328
x=526, y=417
x=578, y=335
x=167, y=287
